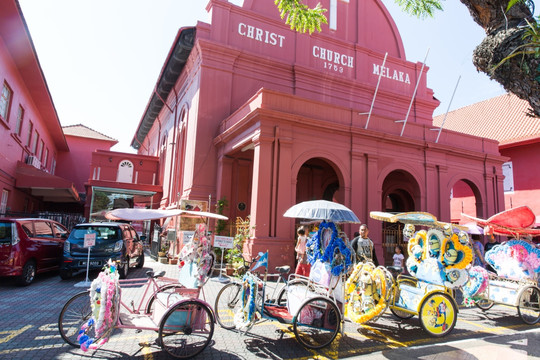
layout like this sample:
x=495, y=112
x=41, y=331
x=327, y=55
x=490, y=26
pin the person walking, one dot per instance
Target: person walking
x=363, y=246
x=302, y=268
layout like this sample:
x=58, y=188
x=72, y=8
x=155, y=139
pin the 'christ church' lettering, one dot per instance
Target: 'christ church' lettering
x=391, y=74
x=333, y=56
x=261, y=35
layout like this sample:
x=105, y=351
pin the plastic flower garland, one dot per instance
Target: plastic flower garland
x=477, y=284
x=104, y=299
x=339, y=263
x=313, y=245
x=455, y=255
x=359, y=294
x=515, y=259
x=244, y=318
x=197, y=251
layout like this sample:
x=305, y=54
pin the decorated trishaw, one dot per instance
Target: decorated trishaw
x=438, y=254
x=173, y=308
x=516, y=262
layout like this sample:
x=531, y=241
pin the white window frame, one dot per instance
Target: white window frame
x=3, y=201
x=508, y=172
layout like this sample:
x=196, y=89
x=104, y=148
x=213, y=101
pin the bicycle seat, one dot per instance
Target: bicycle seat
x=151, y=274
x=283, y=269
x=397, y=269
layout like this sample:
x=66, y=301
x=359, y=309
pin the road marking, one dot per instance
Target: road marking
x=13, y=333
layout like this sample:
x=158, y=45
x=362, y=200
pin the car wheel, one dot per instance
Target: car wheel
x=140, y=261
x=28, y=273
x=66, y=274
x=124, y=270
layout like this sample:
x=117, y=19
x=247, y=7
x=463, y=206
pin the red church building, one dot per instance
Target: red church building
x=247, y=110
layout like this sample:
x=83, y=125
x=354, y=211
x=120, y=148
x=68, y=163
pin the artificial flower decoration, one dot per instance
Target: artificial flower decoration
x=455, y=255
x=515, y=259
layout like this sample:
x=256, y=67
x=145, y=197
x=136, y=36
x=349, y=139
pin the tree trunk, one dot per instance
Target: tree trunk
x=504, y=35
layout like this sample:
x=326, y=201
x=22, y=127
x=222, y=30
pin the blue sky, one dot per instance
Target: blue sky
x=101, y=58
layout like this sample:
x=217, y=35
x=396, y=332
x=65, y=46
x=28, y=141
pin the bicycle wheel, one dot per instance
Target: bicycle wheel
x=484, y=304
x=317, y=322
x=282, y=295
x=169, y=288
x=186, y=329
x=529, y=305
x=228, y=302
x=74, y=314
x=438, y=314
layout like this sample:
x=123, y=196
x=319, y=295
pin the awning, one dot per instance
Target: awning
x=49, y=188
x=154, y=214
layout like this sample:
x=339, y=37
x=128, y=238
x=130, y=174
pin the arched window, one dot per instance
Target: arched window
x=125, y=172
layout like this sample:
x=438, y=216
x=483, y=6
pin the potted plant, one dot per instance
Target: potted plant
x=235, y=256
x=162, y=253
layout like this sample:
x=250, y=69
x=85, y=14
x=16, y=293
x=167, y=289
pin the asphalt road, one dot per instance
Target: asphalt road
x=29, y=315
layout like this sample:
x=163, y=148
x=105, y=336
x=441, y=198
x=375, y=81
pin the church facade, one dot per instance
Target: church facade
x=247, y=110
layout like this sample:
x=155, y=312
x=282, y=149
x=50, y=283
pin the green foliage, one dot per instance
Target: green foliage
x=221, y=205
x=101, y=201
x=300, y=17
x=420, y=8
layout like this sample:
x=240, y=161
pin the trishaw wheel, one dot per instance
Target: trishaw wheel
x=317, y=322
x=282, y=296
x=529, y=305
x=438, y=314
x=401, y=314
x=169, y=288
x=186, y=329
x=484, y=304
x=228, y=301
x=74, y=314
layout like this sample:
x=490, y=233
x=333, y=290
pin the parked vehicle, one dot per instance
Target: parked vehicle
x=115, y=241
x=30, y=246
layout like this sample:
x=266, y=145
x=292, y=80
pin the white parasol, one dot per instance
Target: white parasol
x=322, y=210
x=154, y=214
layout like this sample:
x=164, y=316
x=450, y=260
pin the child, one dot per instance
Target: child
x=398, y=257
x=302, y=268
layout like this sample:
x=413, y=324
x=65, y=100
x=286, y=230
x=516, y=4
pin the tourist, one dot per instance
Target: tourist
x=302, y=268
x=363, y=247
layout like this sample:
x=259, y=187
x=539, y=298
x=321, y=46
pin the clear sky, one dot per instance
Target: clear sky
x=102, y=58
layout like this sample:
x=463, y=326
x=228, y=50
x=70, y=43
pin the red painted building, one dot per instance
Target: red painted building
x=32, y=138
x=247, y=110
x=507, y=120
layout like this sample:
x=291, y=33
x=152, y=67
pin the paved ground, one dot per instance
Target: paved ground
x=28, y=330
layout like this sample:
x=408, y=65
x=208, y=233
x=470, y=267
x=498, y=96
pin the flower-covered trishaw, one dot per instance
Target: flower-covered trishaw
x=184, y=323
x=516, y=261
x=436, y=263
x=311, y=308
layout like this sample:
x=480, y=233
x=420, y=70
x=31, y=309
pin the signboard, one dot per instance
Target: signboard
x=187, y=236
x=89, y=240
x=224, y=242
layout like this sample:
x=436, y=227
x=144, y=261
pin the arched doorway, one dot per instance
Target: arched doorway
x=465, y=198
x=400, y=193
x=318, y=180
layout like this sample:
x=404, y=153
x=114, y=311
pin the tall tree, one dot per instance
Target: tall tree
x=509, y=54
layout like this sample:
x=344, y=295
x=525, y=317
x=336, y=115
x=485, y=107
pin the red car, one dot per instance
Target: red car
x=30, y=246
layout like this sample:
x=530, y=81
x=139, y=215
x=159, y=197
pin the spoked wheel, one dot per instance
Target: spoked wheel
x=484, y=304
x=282, y=296
x=186, y=329
x=168, y=289
x=228, y=302
x=74, y=314
x=401, y=314
x=438, y=314
x=529, y=305
x=317, y=322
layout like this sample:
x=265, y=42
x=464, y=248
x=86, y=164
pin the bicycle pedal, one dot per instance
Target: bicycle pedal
x=138, y=330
